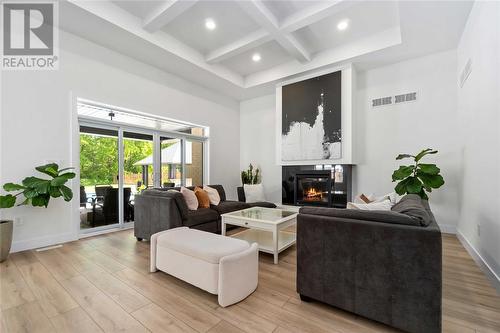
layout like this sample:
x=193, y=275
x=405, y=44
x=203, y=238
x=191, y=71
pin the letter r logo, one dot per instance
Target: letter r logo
x=28, y=29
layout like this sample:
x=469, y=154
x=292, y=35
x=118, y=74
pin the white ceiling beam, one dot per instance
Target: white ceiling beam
x=263, y=16
x=165, y=13
x=313, y=14
x=246, y=43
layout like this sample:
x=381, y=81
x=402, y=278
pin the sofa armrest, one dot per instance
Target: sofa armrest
x=388, y=272
x=241, y=194
x=155, y=213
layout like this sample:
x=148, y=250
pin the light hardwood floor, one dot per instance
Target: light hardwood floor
x=103, y=284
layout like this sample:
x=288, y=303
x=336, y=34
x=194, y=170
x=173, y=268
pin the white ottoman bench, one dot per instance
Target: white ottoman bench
x=221, y=265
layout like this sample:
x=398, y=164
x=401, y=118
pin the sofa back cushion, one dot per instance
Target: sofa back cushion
x=219, y=188
x=413, y=206
x=202, y=196
x=172, y=194
x=190, y=198
x=363, y=215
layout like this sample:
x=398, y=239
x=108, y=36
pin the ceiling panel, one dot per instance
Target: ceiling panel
x=379, y=32
x=283, y=9
x=232, y=24
x=272, y=54
x=139, y=8
x=365, y=19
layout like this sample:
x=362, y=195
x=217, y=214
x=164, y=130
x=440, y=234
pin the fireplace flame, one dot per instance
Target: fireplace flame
x=313, y=195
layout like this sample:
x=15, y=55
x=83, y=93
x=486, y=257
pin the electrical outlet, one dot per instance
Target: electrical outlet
x=479, y=230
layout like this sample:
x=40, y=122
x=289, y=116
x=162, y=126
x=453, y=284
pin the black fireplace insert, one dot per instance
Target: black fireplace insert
x=317, y=185
x=313, y=188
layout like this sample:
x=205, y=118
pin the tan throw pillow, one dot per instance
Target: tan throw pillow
x=213, y=195
x=202, y=196
x=190, y=197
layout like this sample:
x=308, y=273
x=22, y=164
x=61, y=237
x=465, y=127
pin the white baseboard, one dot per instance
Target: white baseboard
x=483, y=264
x=448, y=228
x=35, y=243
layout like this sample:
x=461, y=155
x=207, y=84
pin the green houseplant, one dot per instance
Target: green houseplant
x=36, y=192
x=417, y=178
x=250, y=176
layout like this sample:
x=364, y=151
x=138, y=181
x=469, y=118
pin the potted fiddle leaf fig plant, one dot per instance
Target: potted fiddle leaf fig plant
x=36, y=192
x=417, y=178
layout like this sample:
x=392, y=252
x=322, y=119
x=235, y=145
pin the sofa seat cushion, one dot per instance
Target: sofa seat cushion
x=202, y=245
x=199, y=216
x=264, y=204
x=229, y=206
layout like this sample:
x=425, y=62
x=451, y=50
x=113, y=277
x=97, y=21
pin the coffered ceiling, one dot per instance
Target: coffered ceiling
x=242, y=48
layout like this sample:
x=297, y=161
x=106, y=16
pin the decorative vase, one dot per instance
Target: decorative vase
x=5, y=238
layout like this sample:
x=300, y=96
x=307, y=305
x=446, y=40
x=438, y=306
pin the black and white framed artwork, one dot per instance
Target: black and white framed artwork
x=311, y=119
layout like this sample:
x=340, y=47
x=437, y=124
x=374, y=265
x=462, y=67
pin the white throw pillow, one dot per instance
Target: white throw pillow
x=190, y=197
x=370, y=197
x=213, y=195
x=381, y=205
x=393, y=197
x=254, y=193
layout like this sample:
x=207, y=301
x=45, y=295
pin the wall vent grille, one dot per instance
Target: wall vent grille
x=382, y=101
x=409, y=97
x=396, y=99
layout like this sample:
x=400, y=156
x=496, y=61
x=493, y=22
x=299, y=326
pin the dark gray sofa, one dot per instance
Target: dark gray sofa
x=385, y=266
x=160, y=209
x=242, y=198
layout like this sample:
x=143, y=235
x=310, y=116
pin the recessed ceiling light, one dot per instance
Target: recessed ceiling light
x=342, y=25
x=210, y=24
x=256, y=57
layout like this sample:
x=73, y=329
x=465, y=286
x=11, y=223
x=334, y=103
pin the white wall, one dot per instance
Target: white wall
x=380, y=134
x=478, y=109
x=430, y=122
x=258, y=142
x=36, y=121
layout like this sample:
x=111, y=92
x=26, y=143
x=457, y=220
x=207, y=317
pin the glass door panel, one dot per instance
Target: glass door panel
x=194, y=163
x=138, y=169
x=98, y=177
x=171, y=161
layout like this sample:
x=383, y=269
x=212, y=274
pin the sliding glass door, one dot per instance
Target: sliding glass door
x=138, y=169
x=194, y=163
x=118, y=163
x=124, y=153
x=171, y=161
x=99, y=169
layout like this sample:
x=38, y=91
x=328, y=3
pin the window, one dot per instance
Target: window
x=123, y=152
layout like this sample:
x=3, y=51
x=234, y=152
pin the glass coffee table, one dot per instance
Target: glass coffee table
x=265, y=227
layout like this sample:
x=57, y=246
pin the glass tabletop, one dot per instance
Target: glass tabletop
x=261, y=213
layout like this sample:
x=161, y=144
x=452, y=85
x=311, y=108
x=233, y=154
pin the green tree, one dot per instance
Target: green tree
x=99, y=158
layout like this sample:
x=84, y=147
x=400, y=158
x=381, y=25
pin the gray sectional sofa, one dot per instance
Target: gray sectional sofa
x=161, y=209
x=385, y=266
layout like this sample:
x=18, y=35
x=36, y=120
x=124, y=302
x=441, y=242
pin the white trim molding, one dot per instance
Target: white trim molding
x=483, y=264
x=36, y=243
x=448, y=228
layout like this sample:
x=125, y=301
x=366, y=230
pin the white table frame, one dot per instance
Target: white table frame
x=257, y=227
